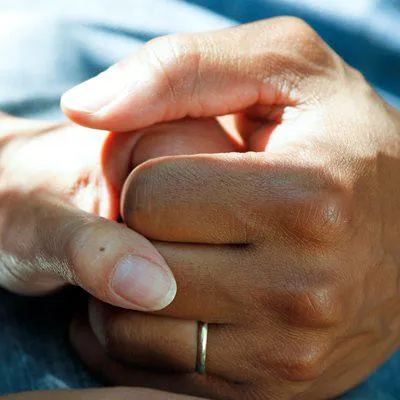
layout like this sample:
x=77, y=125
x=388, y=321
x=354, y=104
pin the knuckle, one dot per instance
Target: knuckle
x=294, y=356
x=315, y=307
x=329, y=217
x=177, y=50
x=173, y=57
x=165, y=55
x=297, y=26
x=301, y=35
x=321, y=219
x=309, y=53
x=178, y=45
x=306, y=363
x=168, y=45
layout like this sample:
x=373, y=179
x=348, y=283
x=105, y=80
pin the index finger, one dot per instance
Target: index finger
x=203, y=75
x=232, y=198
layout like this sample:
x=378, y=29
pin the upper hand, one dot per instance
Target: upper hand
x=291, y=252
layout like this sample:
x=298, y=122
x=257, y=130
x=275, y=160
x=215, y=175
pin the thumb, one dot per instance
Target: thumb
x=46, y=243
x=267, y=63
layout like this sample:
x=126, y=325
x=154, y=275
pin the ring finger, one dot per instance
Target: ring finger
x=131, y=348
x=161, y=343
x=93, y=355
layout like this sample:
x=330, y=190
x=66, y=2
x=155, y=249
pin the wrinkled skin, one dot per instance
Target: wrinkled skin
x=288, y=248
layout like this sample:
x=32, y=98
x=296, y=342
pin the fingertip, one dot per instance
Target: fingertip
x=80, y=117
x=117, y=265
x=117, y=117
x=85, y=343
x=94, y=94
x=79, y=332
x=101, y=102
x=97, y=315
x=146, y=285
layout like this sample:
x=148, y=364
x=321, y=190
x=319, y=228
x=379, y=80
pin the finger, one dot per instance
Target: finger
x=233, y=284
x=213, y=285
x=189, y=200
x=166, y=344
x=93, y=355
x=224, y=198
x=120, y=393
x=186, y=137
x=145, y=340
x=123, y=150
x=279, y=355
x=46, y=243
x=210, y=74
x=239, y=364
x=162, y=344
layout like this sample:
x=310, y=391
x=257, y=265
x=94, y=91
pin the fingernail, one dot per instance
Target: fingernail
x=91, y=96
x=144, y=284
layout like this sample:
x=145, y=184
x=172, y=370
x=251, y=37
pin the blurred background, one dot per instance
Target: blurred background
x=47, y=46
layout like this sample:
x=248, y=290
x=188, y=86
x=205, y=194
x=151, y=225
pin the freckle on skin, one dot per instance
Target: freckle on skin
x=102, y=248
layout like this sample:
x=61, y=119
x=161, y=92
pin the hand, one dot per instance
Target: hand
x=59, y=198
x=98, y=394
x=291, y=251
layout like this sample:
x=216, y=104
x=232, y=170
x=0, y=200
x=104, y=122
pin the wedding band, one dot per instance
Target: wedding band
x=201, y=347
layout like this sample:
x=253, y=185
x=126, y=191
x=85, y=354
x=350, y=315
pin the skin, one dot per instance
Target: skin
x=72, y=197
x=98, y=394
x=288, y=248
x=70, y=201
x=59, y=199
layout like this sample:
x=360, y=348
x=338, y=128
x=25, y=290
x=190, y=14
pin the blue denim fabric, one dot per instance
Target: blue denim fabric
x=34, y=348
x=48, y=46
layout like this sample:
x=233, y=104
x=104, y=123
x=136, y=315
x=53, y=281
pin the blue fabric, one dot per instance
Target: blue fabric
x=34, y=348
x=48, y=46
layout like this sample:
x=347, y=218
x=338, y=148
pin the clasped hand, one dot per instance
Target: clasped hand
x=285, y=239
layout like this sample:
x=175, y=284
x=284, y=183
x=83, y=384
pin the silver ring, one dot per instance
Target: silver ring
x=201, y=347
